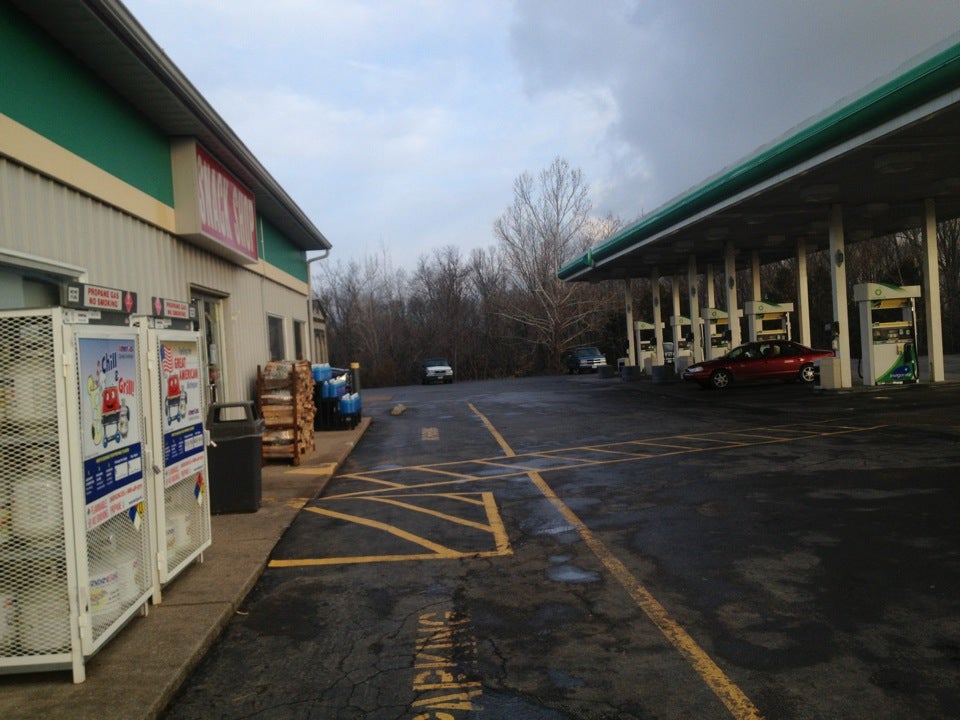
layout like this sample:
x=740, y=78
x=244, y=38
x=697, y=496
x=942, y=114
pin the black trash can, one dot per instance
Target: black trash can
x=235, y=458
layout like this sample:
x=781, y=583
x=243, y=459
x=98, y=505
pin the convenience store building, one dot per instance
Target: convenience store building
x=116, y=172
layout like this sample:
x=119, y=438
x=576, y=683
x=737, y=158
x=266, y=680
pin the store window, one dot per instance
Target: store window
x=299, y=331
x=275, y=337
x=27, y=281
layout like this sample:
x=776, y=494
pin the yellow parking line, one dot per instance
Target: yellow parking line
x=367, y=559
x=375, y=481
x=723, y=687
x=459, y=497
x=617, y=457
x=427, y=511
x=416, y=539
x=507, y=450
x=621, y=453
x=322, y=469
x=663, y=444
x=495, y=527
x=499, y=530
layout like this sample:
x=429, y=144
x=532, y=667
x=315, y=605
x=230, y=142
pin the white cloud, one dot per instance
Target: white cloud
x=404, y=123
x=699, y=84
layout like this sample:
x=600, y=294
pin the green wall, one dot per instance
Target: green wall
x=280, y=252
x=45, y=89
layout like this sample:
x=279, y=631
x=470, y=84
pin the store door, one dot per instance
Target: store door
x=210, y=312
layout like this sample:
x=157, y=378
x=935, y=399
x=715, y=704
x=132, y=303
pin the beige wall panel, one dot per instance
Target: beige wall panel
x=42, y=218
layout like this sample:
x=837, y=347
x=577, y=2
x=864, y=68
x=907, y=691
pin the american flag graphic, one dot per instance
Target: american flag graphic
x=166, y=359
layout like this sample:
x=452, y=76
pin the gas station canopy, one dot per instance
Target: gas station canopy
x=879, y=157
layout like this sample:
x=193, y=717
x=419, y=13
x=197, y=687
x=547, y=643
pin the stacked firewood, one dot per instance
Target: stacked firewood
x=285, y=402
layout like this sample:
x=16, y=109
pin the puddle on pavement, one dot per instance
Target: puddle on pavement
x=565, y=680
x=572, y=574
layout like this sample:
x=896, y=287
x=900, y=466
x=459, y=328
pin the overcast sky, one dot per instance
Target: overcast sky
x=400, y=125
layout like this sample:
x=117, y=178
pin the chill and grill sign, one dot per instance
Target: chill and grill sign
x=110, y=428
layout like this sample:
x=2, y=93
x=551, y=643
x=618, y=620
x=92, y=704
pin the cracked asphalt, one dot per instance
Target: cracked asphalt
x=584, y=548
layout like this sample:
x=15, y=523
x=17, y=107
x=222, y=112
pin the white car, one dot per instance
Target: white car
x=436, y=370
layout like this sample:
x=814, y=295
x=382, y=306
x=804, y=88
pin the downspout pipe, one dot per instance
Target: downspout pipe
x=324, y=254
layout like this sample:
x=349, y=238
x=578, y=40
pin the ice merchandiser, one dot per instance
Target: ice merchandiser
x=888, y=346
x=176, y=413
x=75, y=525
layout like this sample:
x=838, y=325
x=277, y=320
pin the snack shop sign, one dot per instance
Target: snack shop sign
x=212, y=208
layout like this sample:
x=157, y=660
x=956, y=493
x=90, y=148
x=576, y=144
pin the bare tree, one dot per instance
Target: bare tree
x=367, y=316
x=548, y=225
x=499, y=353
x=948, y=241
x=440, y=303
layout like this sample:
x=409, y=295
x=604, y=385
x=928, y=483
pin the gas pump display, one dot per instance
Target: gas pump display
x=681, y=327
x=682, y=354
x=887, y=333
x=716, y=331
x=768, y=320
x=644, y=333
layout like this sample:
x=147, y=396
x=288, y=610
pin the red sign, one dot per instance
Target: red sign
x=97, y=297
x=162, y=307
x=226, y=208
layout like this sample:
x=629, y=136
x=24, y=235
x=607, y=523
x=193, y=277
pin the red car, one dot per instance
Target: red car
x=769, y=360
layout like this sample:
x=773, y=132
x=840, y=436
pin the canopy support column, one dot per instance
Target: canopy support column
x=755, y=276
x=931, y=292
x=631, y=331
x=838, y=286
x=730, y=271
x=803, y=293
x=657, y=322
x=692, y=283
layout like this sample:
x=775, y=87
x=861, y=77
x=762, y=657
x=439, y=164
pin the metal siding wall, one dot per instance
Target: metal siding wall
x=45, y=219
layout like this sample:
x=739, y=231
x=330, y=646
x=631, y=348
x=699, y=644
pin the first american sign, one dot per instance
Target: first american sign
x=212, y=208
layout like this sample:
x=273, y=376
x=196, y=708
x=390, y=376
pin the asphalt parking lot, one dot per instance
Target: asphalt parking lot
x=578, y=547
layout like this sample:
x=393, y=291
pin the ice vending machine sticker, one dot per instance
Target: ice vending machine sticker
x=182, y=417
x=110, y=427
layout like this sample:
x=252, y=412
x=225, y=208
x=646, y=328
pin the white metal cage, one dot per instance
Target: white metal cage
x=76, y=527
x=177, y=416
x=35, y=598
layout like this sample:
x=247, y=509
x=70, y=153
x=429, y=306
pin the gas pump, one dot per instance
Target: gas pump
x=888, y=321
x=767, y=320
x=644, y=336
x=682, y=354
x=716, y=331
